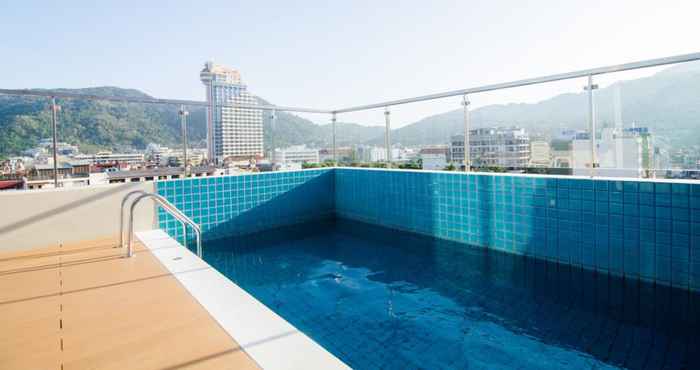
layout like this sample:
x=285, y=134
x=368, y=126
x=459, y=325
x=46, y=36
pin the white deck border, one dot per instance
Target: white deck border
x=266, y=337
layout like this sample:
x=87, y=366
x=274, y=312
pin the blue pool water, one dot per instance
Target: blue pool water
x=385, y=299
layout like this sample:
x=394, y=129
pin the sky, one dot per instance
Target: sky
x=335, y=54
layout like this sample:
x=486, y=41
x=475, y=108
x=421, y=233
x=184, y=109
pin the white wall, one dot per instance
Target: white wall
x=434, y=162
x=41, y=218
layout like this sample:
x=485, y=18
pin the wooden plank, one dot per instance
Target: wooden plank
x=85, y=306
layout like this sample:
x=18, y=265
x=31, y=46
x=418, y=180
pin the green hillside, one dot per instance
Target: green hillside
x=667, y=102
x=97, y=125
x=91, y=124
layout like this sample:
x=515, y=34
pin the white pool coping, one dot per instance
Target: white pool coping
x=267, y=338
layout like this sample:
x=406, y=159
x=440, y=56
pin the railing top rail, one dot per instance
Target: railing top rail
x=499, y=86
x=126, y=99
x=505, y=85
x=531, y=81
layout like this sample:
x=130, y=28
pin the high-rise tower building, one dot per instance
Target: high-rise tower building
x=231, y=131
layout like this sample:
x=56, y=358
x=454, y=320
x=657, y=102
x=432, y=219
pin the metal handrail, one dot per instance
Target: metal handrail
x=121, y=214
x=498, y=86
x=589, y=73
x=121, y=217
x=530, y=81
x=172, y=210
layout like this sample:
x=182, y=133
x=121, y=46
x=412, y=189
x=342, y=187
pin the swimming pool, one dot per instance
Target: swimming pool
x=380, y=298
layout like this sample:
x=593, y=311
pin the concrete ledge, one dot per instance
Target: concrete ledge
x=267, y=338
x=39, y=218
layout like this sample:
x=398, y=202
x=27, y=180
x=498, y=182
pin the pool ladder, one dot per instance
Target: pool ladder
x=168, y=207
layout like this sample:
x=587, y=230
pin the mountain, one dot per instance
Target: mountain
x=92, y=124
x=96, y=125
x=294, y=130
x=668, y=102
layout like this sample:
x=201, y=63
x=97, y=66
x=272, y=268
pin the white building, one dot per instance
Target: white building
x=493, y=147
x=366, y=153
x=295, y=154
x=344, y=154
x=61, y=147
x=433, y=158
x=231, y=132
x=620, y=153
x=561, y=155
x=540, y=154
x=107, y=158
x=157, y=153
x=568, y=134
x=409, y=154
x=396, y=154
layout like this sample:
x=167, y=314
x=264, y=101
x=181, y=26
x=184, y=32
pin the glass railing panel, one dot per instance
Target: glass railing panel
x=648, y=122
x=362, y=142
x=528, y=129
x=101, y=141
x=645, y=127
x=303, y=140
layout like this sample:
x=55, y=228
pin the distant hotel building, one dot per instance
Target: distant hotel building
x=493, y=147
x=231, y=132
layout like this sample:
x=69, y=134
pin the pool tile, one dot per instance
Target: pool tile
x=511, y=213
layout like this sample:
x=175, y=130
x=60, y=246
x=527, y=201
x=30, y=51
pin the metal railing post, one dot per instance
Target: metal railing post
x=273, y=122
x=591, y=124
x=54, y=128
x=467, y=131
x=183, y=122
x=335, y=152
x=387, y=138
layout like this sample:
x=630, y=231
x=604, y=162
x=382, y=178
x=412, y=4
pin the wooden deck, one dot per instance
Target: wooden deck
x=84, y=306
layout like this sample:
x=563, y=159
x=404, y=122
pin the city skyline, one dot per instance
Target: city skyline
x=435, y=58
x=228, y=85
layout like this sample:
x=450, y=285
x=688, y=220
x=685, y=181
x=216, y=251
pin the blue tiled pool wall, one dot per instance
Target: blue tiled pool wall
x=637, y=229
x=242, y=204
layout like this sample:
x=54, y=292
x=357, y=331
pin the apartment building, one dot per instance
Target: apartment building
x=493, y=147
